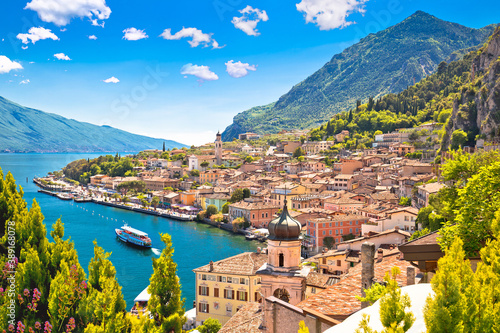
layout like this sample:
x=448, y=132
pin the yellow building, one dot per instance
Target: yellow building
x=285, y=192
x=223, y=287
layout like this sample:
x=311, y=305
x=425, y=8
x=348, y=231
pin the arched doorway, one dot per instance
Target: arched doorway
x=282, y=294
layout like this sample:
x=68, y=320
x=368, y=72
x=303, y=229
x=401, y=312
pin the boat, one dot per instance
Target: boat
x=82, y=199
x=250, y=236
x=64, y=196
x=133, y=236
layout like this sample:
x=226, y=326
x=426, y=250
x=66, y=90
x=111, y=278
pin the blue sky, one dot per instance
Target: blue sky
x=220, y=57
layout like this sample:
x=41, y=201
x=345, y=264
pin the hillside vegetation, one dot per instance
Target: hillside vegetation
x=386, y=62
x=451, y=97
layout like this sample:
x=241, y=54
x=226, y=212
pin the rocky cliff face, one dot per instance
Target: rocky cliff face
x=477, y=110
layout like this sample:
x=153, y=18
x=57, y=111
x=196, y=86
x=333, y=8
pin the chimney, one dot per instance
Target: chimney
x=410, y=275
x=259, y=250
x=367, y=269
x=380, y=255
x=211, y=266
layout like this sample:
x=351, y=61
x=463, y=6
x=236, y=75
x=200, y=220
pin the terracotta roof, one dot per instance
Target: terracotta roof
x=320, y=280
x=338, y=218
x=411, y=210
x=424, y=240
x=253, y=205
x=248, y=319
x=385, y=195
x=364, y=238
x=242, y=264
x=339, y=300
x=343, y=201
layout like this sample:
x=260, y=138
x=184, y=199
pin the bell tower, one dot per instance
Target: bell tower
x=282, y=276
x=218, y=148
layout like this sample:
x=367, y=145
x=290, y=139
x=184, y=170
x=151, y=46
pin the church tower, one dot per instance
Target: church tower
x=218, y=148
x=282, y=276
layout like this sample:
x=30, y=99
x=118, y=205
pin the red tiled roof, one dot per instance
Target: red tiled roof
x=242, y=264
x=248, y=319
x=339, y=300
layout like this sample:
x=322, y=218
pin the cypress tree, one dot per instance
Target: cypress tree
x=165, y=304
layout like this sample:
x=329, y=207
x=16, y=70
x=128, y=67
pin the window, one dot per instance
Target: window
x=204, y=277
x=337, y=232
x=341, y=231
x=203, y=307
x=330, y=224
x=281, y=260
x=406, y=218
x=339, y=263
x=219, y=278
x=229, y=293
x=324, y=232
x=330, y=232
x=216, y=292
x=313, y=290
x=229, y=309
x=350, y=230
x=223, y=279
x=253, y=216
x=266, y=214
x=262, y=215
x=340, y=223
x=203, y=291
x=229, y=279
x=242, y=281
x=350, y=222
x=242, y=296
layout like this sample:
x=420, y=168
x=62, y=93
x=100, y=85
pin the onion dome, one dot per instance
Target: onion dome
x=284, y=227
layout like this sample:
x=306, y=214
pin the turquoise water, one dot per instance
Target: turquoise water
x=195, y=244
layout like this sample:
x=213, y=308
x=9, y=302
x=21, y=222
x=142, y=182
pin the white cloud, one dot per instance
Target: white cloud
x=239, y=69
x=61, y=56
x=330, y=14
x=35, y=34
x=134, y=34
x=111, y=80
x=201, y=72
x=248, y=21
x=93, y=37
x=6, y=65
x=63, y=29
x=197, y=37
x=24, y=47
x=25, y=81
x=60, y=12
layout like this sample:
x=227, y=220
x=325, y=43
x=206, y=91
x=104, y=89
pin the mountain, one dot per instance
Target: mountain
x=476, y=107
x=24, y=129
x=386, y=62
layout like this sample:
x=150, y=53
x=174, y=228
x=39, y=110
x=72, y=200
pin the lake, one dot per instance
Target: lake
x=195, y=244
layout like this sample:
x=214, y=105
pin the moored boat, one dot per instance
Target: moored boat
x=250, y=236
x=64, y=196
x=133, y=236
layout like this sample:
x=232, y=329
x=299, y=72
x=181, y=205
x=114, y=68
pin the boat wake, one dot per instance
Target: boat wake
x=156, y=251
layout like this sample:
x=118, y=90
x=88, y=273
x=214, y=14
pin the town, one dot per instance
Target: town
x=315, y=207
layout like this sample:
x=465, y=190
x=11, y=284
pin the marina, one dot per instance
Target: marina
x=195, y=244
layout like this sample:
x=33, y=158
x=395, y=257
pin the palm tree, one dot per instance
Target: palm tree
x=155, y=202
